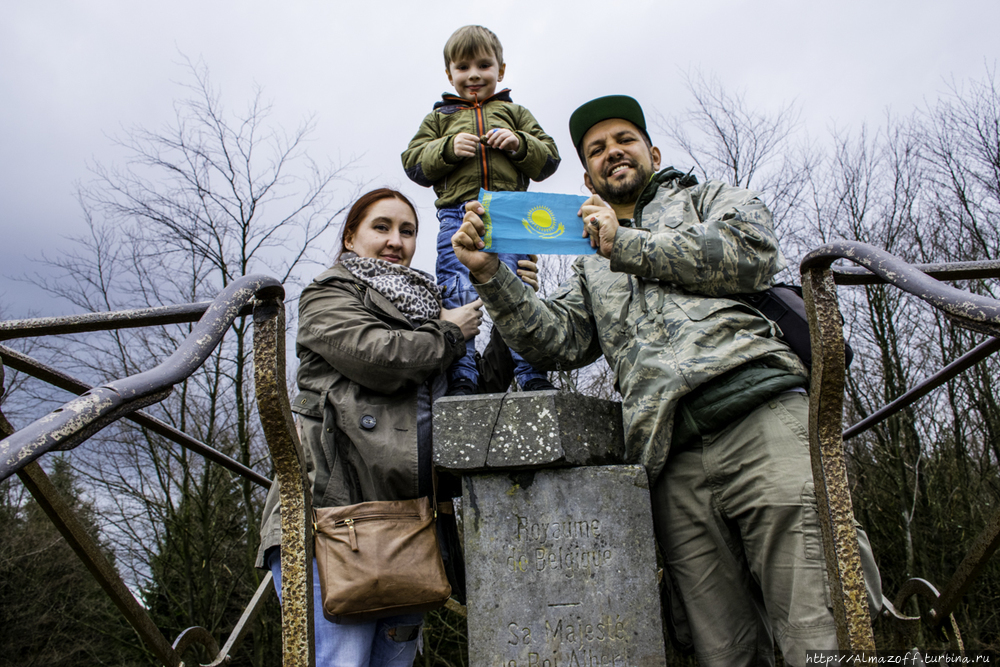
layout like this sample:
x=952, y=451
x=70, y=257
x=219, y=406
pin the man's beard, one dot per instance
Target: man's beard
x=627, y=191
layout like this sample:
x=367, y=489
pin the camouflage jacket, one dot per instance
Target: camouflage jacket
x=658, y=309
x=430, y=158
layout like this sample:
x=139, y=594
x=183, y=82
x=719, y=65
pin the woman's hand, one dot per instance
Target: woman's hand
x=527, y=270
x=467, y=317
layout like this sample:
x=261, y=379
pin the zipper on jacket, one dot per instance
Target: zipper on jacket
x=484, y=170
x=479, y=113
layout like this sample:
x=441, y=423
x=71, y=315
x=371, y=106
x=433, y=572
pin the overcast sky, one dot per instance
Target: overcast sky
x=74, y=73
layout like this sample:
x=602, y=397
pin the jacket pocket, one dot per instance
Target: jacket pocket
x=383, y=435
x=675, y=213
x=308, y=403
x=698, y=308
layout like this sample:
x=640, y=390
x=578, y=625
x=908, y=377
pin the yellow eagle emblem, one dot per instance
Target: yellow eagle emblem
x=541, y=222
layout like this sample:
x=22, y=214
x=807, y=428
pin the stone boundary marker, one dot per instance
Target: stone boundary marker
x=526, y=430
x=560, y=557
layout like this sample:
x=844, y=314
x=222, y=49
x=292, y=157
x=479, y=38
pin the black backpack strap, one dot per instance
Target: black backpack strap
x=783, y=304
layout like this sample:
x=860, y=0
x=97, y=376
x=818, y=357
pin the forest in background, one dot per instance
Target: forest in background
x=220, y=194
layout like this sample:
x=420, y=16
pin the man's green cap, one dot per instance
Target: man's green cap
x=603, y=108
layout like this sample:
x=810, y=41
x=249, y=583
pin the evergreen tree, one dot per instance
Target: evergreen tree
x=200, y=576
x=52, y=611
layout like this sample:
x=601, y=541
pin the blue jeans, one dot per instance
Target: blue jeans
x=453, y=277
x=386, y=642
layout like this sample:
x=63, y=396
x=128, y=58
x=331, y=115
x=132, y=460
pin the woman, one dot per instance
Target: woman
x=373, y=346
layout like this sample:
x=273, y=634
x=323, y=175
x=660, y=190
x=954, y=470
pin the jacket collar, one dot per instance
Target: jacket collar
x=338, y=272
x=662, y=177
x=450, y=103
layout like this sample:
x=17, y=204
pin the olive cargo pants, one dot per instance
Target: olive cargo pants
x=736, y=519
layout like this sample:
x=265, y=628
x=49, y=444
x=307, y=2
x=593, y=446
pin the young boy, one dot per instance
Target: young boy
x=478, y=138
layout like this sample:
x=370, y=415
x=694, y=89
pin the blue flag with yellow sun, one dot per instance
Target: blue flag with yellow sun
x=533, y=223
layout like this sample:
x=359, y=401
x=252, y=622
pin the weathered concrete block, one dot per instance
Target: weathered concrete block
x=526, y=430
x=561, y=569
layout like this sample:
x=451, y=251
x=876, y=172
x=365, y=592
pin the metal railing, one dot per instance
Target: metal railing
x=97, y=407
x=974, y=312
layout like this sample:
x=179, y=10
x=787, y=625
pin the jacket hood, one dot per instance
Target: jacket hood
x=450, y=103
x=661, y=177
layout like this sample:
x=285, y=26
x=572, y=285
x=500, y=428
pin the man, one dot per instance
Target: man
x=714, y=402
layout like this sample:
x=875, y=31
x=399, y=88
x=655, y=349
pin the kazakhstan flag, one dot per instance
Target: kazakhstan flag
x=534, y=223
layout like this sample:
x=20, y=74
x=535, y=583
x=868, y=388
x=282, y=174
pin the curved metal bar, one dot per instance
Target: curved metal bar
x=83, y=416
x=293, y=483
x=962, y=305
x=196, y=635
x=905, y=628
x=57, y=378
x=856, y=275
x=106, y=321
x=826, y=451
x=926, y=589
x=90, y=553
x=826, y=409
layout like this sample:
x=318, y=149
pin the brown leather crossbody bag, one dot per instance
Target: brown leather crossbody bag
x=379, y=558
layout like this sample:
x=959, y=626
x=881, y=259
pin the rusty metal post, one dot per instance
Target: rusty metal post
x=833, y=494
x=290, y=472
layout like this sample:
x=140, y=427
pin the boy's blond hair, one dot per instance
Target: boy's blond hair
x=470, y=40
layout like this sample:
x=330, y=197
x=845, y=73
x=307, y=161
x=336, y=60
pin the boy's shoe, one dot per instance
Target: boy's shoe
x=538, y=384
x=461, y=387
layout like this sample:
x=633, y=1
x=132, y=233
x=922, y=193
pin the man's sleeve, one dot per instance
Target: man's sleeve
x=537, y=156
x=716, y=240
x=430, y=155
x=551, y=334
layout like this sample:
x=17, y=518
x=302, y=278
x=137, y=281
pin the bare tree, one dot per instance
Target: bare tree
x=962, y=148
x=211, y=197
x=728, y=139
x=918, y=187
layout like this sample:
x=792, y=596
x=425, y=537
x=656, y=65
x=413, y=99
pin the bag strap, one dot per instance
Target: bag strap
x=784, y=305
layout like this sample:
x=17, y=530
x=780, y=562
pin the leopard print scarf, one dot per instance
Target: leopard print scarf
x=412, y=291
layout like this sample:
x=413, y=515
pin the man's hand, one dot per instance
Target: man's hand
x=502, y=139
x=468, y=241
x=599, y=223
x=465, y=144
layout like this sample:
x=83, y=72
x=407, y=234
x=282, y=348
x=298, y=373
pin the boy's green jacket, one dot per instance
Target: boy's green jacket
x=430, y=158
